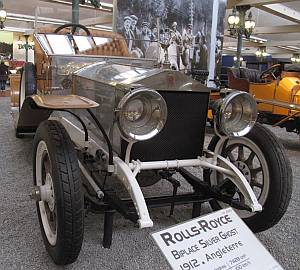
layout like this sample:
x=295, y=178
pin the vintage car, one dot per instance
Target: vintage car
x=277, y=90
x=107, y=125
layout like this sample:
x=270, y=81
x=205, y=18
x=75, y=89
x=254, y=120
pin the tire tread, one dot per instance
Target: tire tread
x=70, y=182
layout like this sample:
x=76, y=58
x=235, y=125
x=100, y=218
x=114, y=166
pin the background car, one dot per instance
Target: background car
x=277, y=90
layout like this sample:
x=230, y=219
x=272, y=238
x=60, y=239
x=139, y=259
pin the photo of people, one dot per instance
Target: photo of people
x=175, y=31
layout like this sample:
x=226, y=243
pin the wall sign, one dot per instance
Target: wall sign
x=218, y=241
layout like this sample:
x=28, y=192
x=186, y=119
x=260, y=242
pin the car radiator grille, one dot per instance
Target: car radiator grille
x=183, y=134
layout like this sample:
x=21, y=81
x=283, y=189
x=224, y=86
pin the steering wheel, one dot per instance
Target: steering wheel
x=74, y=26
x=271, y=72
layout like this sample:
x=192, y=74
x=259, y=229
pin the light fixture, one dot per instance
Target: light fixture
x=249, y=23
x=235, y=59
x=257, y=39
x=241, y=28
x=258, y=53
x=233, y=19
x=94, y=3
x=295, y=58
x=27, y=45
x=3, y=15
x=239, y=25
x=261, y=53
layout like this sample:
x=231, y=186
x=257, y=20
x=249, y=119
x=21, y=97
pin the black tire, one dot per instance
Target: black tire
x=28, y=83
x=68, y=196
x=280, y=178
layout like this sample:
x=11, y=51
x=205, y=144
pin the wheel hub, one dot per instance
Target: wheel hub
x=50, y=194
x=45, y=193
x=244, y=169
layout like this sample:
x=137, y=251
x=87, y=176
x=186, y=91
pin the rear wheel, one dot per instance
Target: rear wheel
x=61, y=208
x=263, y=162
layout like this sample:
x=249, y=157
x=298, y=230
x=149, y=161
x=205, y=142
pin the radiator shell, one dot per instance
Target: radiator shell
x=183, y=135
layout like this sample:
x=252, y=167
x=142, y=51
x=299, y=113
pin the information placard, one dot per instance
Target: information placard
x=218, y=241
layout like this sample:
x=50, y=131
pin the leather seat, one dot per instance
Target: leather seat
x=240, y=78
x=115, y=45
x=252, y=75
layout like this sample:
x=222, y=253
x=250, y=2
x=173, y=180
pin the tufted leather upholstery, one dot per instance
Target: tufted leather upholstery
x=240, y=79
x=236, y=72
x=252, y=75
x=114, y=47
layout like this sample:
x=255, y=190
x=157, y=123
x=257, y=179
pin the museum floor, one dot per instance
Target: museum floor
x=22, y=246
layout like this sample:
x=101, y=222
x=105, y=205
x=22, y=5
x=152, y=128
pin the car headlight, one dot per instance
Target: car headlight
x=236, y=114
x=141, y=114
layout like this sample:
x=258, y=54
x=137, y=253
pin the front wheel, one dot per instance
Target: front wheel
x=61, y=207
x=262, y=160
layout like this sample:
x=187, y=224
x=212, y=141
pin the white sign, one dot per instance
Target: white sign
x=218, y=241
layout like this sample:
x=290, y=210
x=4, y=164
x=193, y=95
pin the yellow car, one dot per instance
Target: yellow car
x=277, y=91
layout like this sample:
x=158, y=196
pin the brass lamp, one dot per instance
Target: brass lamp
x=233, y=19
x=240, y=27
x=261, y=53
x=239, y=24
x=249, y=25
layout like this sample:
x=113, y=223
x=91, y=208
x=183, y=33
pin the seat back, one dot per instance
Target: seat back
x=235, y=81
x=252, y=75
x=235, y=72
x=114, y=46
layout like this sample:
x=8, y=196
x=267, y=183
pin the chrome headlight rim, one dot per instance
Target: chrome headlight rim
x=220, y=113
x=141, y=94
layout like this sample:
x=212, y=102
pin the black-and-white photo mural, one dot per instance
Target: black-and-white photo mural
x=220, y=34
x=177, y=32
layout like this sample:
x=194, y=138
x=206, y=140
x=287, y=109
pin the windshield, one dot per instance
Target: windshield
x=60, y=44
x=69, y=44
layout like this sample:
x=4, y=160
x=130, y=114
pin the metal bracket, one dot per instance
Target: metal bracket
x=240, y=181
x=127, y=177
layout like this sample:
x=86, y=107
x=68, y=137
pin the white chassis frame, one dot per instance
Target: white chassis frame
x=127, y=172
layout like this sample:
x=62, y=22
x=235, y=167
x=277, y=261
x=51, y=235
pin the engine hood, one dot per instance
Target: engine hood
x=128, y=77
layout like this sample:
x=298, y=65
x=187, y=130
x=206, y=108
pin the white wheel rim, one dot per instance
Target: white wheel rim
x=47, y=208
x=263, y=182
